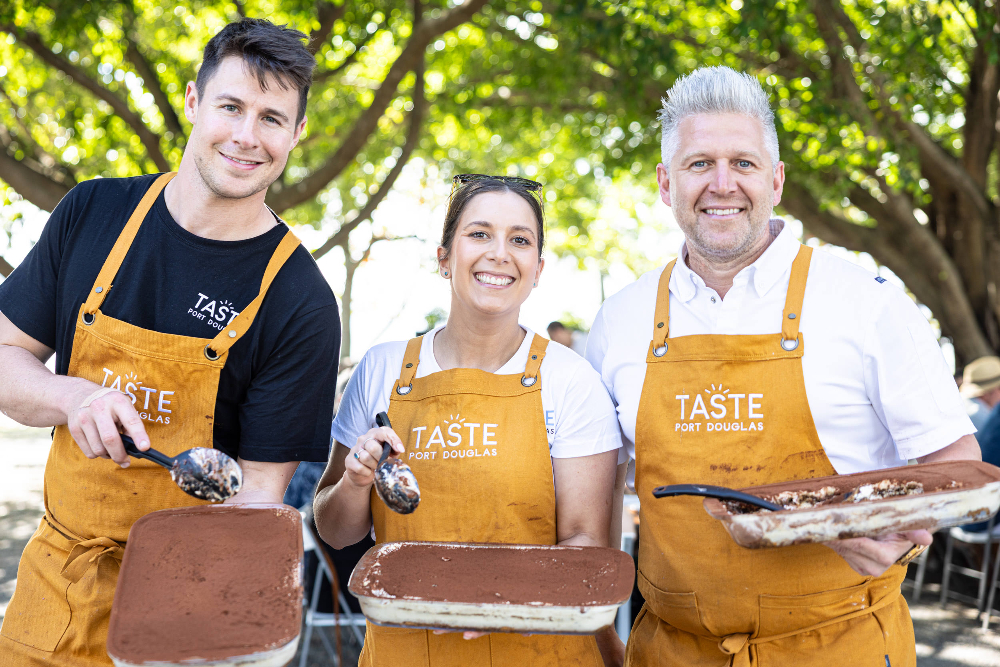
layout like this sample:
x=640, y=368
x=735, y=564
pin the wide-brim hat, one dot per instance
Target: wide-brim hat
x=981, y=376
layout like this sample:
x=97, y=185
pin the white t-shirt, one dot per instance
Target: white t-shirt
x=579, y=417
x=877, y=383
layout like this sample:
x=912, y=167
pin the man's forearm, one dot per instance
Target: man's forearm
x=33, y=395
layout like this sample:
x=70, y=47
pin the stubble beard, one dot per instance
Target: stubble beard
x=757, y=228
x=208, y=177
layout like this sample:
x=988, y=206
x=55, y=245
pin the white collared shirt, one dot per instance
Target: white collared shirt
x=877, y=383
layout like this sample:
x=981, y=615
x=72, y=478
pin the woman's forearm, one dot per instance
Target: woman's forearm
x=342, y=509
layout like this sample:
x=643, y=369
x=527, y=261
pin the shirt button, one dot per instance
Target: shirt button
x=713, y=299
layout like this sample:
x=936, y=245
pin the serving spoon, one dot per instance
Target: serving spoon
x=709, y=491
x=201, y=472
x=395, y=482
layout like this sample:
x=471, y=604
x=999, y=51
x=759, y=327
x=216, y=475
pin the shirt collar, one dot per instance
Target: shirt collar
x=765, y=271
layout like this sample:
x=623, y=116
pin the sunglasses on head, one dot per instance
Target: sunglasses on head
x=526, y=183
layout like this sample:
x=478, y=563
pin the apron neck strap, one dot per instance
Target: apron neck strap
x=793, y=300
x=114, y=261
x=796, y=292
x=241, y=323
x=661, y=318
x=535, y=355
x=411, y=359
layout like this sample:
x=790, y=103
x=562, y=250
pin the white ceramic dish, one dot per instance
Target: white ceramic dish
x=384, y=608
x=975, y=498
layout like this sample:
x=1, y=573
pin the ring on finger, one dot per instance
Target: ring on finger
x=356, y=456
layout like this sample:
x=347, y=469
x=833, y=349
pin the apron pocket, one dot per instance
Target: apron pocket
x=786, y=613
x=857, y=641
x=39, y=612
x=677, y=609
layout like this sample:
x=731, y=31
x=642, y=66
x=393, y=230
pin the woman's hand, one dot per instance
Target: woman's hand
x=359, y=467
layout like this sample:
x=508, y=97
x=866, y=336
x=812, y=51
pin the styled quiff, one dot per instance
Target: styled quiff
x=715, y=90
x=265, y=48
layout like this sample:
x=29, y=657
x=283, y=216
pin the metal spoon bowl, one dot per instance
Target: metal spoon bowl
x=395, y=482
x=204, y=473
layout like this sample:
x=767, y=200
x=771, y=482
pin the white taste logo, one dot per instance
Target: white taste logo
x=151, y=404
x=720, y=410
x=217, y=312
x=459, y=439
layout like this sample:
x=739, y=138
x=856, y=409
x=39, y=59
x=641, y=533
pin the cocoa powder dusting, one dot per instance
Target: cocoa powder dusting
x=498, y=574
x=208, y=583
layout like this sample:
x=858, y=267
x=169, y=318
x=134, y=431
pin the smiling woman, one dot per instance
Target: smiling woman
x=479, y=403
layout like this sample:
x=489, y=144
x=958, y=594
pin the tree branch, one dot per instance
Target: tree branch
x=326, y=74
x=412, y=55
x=416, y=122
x=5, y=268
x=911, y=251
x=327, y=13
x=36, y=187
x=152, y=81
x=148, y=138
x=931, y=153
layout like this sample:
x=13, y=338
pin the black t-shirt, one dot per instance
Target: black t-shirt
x=276, y=391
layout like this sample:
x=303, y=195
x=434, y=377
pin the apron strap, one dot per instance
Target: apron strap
x=241, y=323
x=661, y=317
x=535, y=355
x=796, y=292
x=114, y=261
x=411, y=359
x=789, y=321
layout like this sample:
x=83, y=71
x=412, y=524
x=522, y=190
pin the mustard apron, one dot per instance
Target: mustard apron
x=67, y=574
x=477, y=444
x=732, y=411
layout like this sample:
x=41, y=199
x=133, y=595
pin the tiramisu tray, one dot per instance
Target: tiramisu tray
x=217, y=586
x=493, y=587
x=928, y=496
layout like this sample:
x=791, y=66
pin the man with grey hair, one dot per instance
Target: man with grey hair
x=751, y=360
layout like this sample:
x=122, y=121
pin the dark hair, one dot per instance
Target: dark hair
x=465, y=192
x=556, y=326
x=266, y=49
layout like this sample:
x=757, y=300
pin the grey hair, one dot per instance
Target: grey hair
x=715, y=90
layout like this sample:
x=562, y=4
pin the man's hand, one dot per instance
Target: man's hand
x=871, y=557
x=97, y=421
x=611, y=646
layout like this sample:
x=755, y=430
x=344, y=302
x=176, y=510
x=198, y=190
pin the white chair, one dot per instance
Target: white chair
x=342, y=617
x=985, y=538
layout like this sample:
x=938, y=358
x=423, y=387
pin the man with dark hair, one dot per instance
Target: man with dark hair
x=182, y=312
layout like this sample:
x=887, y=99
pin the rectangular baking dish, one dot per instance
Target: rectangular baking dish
x=395, y=607
x=181, y=567
x=941, y=505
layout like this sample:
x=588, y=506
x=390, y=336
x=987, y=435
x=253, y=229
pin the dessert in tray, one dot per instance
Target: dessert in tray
x=493, y=587
x=212, y=585
x=827, y=495
x=928, y=496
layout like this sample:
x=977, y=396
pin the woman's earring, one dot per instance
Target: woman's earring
x=445, y=274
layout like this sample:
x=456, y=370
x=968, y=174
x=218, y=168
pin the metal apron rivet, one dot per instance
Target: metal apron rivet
x=90, y=321
x=528, y=381
x=789, y=344
x=210, y=354
x=791, y=316
x=232, y=334
x=660, y=351
x=403, y=391
x=98, y=289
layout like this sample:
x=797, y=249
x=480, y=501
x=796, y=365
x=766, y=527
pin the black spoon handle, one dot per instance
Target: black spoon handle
x=382, y=419
x=708, y=491
x=149, y=454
